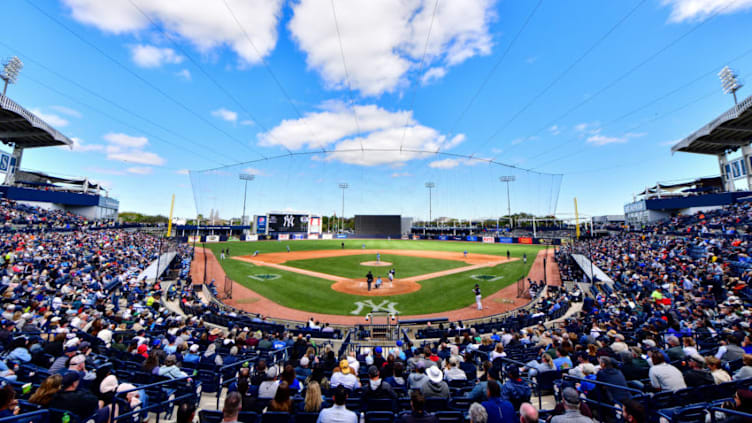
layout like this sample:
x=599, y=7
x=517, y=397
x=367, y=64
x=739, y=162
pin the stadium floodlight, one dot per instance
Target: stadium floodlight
x=343, y=186
x=729, y=81
x=245, y=177
x=430, y=186
x=11, y=68
x=508, y=179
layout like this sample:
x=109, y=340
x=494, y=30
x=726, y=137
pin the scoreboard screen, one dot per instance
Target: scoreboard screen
x=288, y=223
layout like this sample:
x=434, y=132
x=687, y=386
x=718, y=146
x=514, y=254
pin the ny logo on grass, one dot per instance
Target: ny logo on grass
x=486, y=278
x=385, y=305
x=265, y=276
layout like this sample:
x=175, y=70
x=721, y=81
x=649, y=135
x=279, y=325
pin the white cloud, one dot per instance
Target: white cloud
x=67, y=111
x=531, y=60
x=124, y=140
x=225, y=114
x=79, y=145
x=50, y=118
x=451, y=163
x=669, y=143
x=598, y=139
x=554, y=130
x=401, y=174
x=184, y=74
x=698, y=10
x=182, y=172
x=383, y=41
x=205, y=24
x=334, y=128
x=253, y=171
x=135, y=156
x=140, y=170
x=247, y=122
x=432, y=75
x=148, y=56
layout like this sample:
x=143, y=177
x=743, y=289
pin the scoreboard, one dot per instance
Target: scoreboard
x=287, y=222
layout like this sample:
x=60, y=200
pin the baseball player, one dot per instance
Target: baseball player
x=288, y=248
x=478, y=297
x=378, y=257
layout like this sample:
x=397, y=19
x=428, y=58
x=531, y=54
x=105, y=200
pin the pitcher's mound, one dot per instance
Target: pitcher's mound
x=359, y=287
x=375, y=263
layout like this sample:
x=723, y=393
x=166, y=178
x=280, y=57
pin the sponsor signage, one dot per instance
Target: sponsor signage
x=525, y=240
x=488, y=240
x=327, y=236
x=4, y=163
x=341, y=236
x=260, y=224
x=313, y=236
x=288, y=222
x=194, y=238
x=506, y=240
x=472, y=238
x=298, y=236
x=443, y=237
x=253, y=237
x=314, y=225
x=416, y=237
x=283, y=237
x=212, y=238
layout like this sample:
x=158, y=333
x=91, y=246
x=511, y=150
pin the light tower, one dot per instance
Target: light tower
x=430, y=186
x=343, y=186
x=508, y=179
x=11, y=68
x=729, y=82
x=245, y=177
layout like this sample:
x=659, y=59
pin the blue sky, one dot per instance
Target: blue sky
x=596, y=91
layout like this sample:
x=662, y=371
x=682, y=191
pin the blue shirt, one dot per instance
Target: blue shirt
x=337, y=414
x=499, y=411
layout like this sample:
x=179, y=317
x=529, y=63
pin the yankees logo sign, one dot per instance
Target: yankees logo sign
x=289, y=221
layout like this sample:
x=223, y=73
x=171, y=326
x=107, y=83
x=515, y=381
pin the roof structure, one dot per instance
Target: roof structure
x=729, y=131
x=24, y=129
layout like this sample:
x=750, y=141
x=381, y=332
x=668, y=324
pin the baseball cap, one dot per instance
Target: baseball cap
x=69, y=379
x=377, y=350
x=271, y=372
x=77, y=359
x=571, y=396
x=373, y=371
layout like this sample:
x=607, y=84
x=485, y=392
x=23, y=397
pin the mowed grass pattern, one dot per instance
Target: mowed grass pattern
x=350, y=267
x=316, y=295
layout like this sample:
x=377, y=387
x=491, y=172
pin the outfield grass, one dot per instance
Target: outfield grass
x=316, y=295
x=350, y=267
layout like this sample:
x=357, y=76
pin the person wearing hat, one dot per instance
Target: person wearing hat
x=418, y=377
x=376, y=388
x=571, y=401
x=453, y=371
x=303, y=370
x=514, y=389
x=268, y=388
x=435, y=386
x=82, y=402
x=192, y=356
x=344, y=377
x=696, y=374
x=498, y=409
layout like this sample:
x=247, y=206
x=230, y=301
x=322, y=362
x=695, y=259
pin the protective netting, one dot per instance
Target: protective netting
x=464, y=187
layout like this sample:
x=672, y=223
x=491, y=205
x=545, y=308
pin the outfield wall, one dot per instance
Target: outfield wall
x=486, y=239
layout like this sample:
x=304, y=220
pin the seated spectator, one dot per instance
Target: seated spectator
x=232, y=407
x=571, y=400
x=281, y=400
x=663, y=376
x=746, y=370
x=312, y=403
x=452, y=370
x=696, y=374
x=337, y=413
x=417, y=413
x=528, y=413
x=435, y=387
x=268, y=388
x=719, y=375
x=742, y=402
x=633, y=412
x=47, y=389
x=192, y=355
x=8, y=402
x=170, y=369
x=477, y=413
x=397, y=381
x=480, y=389
x=675, y=352
x=377, y=388
x=288, y=375
x=498, y=409
x=515, y=390
x=302, y=370
x=82, y=402
x=344, y=377
x=418, y=377
x=186, y=413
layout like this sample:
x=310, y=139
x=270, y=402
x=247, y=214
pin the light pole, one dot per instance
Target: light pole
x=245, y=177
x=508, y=179
x=10, y=71
x=343, y=186
x=430, y=186
x=729, y=82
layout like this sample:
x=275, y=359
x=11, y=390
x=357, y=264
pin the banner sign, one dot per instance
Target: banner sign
x=288, y=222
x=4, y=163
x=314, y=225
x=313, y=236
x=506, y=240
x=298, y=236
x=253, y=237
x=405, y=236
x=488, y=240
x=472, y=238
x=260, y=224
x=416, y=237
x=194, y=238
x=525, y=240
x=283, y=237
x=341, y=236
x=212, y=238
x=443, y=238
x=327, y=236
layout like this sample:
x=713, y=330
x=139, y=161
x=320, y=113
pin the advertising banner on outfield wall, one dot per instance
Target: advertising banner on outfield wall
x=212, y=238
x=313, y=236
x=298, y=236
x=253, y=237
x=488, y=240
x=506, y=240
x=472, y=238
x=283, y=237
x=548, y=241
x=443, y=238
x=194, y=238
x=416, y=237
x=525, y=240
x=327, y=236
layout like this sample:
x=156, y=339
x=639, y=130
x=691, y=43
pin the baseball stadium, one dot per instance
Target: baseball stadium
x=428, y=211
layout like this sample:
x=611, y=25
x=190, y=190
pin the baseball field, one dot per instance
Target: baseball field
x=322, y=277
